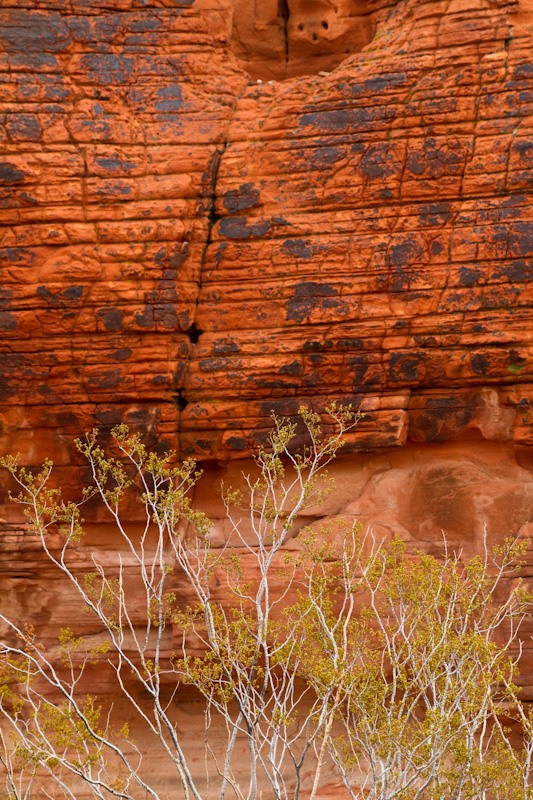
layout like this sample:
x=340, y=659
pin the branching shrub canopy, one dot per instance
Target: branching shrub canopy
x=341, y=655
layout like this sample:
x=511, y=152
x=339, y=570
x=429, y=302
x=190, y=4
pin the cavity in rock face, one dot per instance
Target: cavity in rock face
x=279, y=39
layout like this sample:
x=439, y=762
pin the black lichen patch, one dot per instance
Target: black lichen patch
x=121, y=355
x=242, y=198
x=8, y=321
x=109, y=379
x=145, y=318
x=241, y=228
x=306, y=297
x=10, y=173
x=405, y=367
x=112, y=318
x=298, y=248
x=223, y=347
x=237, y=443
x=479, y=363
x=294, y=368
x=468, y=276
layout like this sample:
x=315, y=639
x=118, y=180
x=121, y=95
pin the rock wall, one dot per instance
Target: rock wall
x=283, y=38
x=387, y=203
x=185, y=248
x=213, y=210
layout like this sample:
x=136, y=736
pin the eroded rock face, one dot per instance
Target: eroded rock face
x=186, y=249
x=280, y=39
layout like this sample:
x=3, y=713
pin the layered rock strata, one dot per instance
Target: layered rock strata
x=185, y=250
x=209, y=214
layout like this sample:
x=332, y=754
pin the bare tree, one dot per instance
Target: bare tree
x=340, y=652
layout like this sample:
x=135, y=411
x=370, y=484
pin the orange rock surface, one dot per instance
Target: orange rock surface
x=211, y=212
x=185, y=248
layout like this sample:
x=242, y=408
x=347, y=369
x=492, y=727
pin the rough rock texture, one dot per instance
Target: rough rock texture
x=284, y=38
x=387, y=203
x=186, y=248
x=110, y=146
x=363, y=235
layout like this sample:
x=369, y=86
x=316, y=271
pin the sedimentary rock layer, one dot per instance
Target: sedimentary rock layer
x=186, y=249
x=114, y=117
x=374, y=241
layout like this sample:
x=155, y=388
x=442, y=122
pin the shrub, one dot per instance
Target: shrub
x=340, y=654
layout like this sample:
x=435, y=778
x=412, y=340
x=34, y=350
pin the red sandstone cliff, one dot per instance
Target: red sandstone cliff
x=182, y=247
x=185, y=248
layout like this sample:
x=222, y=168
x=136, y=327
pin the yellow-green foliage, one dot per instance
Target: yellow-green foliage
x=395, y=667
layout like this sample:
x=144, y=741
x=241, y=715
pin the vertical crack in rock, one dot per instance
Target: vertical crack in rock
x=283, y=16
x=207, y=208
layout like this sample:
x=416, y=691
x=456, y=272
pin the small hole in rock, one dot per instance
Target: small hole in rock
x=315, y=37
x=325, y=25
x=300, y=27
x=180, y=401
x=194, y=333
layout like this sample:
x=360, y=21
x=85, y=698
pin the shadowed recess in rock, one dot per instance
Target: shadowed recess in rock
x=277, y=39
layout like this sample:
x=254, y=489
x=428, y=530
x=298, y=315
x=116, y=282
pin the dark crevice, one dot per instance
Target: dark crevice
x=283, y=16
x=207, y=208
x=208, y=203
x=194, y=333
x=180, y=400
